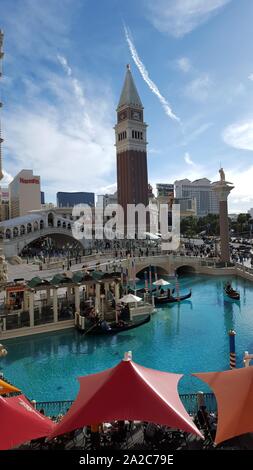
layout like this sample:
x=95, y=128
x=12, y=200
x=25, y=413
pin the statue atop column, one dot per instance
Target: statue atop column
x=222, y=174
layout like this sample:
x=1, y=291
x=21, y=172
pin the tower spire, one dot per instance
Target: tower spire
x=129, y=95
x=1, y=104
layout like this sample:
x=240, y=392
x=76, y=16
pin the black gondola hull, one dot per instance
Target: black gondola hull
x=171, y=299
x=232, y=295
x=97, y=330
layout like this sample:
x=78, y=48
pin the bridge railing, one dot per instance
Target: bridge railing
x=54, y=408
x=246, y=269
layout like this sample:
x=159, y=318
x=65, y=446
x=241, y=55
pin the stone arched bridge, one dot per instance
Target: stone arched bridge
x=167, y=264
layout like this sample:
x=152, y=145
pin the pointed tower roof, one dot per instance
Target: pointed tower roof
x=129, y=95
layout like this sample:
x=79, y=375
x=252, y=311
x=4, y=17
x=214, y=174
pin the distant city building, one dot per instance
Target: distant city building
x=4, y=204
x=207, y=201
x=164, y=189
x=47, y=205
x=188, y=206
x=233, y=217
x=25, y=194
x=42, y=197
x=104, y=200
x=250, y=212
x=65, y=199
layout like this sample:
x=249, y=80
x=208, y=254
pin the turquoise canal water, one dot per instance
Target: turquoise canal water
x=184, y=338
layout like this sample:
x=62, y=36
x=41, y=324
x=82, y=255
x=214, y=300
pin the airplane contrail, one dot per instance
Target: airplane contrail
x=144, y=73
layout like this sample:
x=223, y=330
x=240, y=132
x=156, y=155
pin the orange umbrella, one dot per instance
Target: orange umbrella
x=234, y=393
x=7, y=388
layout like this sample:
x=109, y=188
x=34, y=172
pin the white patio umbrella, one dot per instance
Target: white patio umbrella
x=129, y=298
x=161, y=282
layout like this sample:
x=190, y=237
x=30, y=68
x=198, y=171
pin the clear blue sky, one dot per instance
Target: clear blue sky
x=64, y=68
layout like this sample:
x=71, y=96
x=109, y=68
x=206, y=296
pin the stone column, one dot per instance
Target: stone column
x=106, y=284
x=77, y=299
x=48, y=296
x=102, y=297
x=222, y=189
x=69, y=293
x=224, y=231
x=97, y=302
x=55, y=305
x=116, y=291
x=26, y=301
x=31, y=308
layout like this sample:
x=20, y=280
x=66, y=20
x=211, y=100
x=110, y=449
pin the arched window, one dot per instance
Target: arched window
x=63, y=224
x=58, y=223
x=8, y=233
x=15, y=232
x=69, y=226
x=35, y=226
x=41, y=224
x=22, y=230
x=29, y=227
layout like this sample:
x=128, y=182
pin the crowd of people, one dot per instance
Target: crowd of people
x=123, y=434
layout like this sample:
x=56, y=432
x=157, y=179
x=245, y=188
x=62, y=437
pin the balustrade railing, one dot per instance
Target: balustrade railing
x=54, y=408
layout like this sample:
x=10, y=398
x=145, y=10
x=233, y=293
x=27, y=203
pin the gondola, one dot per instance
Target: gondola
x=115, y=328
x=231, y=293
x=160, y=300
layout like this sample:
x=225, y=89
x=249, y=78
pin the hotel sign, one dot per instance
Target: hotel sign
x=31, y=181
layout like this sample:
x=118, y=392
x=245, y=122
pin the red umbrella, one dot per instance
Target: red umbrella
x=128, y=392
x=20, y=422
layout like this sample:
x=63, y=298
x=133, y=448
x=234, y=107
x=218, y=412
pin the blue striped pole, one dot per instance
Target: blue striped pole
x=177, y=288
x=150, y=278
x=232, y=362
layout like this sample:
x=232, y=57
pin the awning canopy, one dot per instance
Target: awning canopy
x=80, y=276
x=20, y=422
x=234, y=394
x=37, y=281
x=130, y=298
x=161, y=282
x=5, y=388
x=60, y=279
x=128, y=392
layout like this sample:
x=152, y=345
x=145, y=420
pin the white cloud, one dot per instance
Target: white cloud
x=198, y=89
x=250, y=77
x=64, y=63
x=6, y=180
x=67, y=138
x=241, y=198
x=184, y=64
x=109, y=189
x=188, y=160
x=239, y=135
x=191, y=135
x=145, y=75
x=179, y=17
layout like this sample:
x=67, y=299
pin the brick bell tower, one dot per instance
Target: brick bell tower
x=131, y=147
